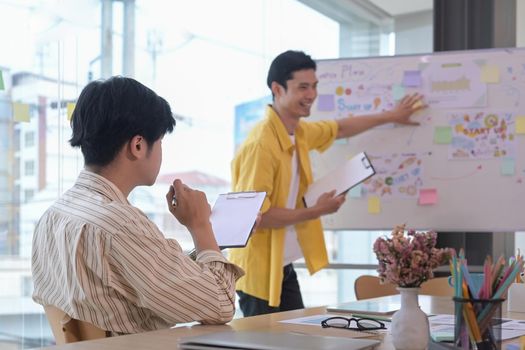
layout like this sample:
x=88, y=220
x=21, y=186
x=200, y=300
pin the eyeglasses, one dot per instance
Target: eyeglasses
x=361, y=324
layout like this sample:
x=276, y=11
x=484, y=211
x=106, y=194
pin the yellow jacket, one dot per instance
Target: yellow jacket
x=263, y=163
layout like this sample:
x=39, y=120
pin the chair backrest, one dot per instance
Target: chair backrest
x=367, y=286
x=68, y=330
x=438, y=286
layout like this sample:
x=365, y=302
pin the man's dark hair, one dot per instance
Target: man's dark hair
x=110, y=112
x=284, y=65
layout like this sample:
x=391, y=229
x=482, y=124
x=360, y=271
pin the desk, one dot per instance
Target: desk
x=167, y=338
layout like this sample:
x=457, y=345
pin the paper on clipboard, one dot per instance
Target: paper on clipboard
x=233, y=216
x=351, y=173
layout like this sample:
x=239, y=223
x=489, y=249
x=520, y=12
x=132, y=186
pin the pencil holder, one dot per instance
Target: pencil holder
x=477, y=323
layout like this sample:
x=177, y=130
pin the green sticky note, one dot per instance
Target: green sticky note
x=21, y=112
x=398, y=92
x=374, y=205
x=490, y=73
x=2, y=86
x=520, y=124
x=443, y=134
x=355, y=192
x=508, y=166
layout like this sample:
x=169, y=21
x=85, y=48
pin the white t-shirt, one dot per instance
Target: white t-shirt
x=292, y=249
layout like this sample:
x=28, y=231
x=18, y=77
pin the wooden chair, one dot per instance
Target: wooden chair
x=68, y=330
x=438, y=287
x=367, y=286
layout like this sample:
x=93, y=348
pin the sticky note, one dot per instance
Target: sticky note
x=520, y=124
x=442, y=134
x=2, y=86
x=70, y=109
x=20, y=112
x=398, y=92
x=355, y=192
x=427, y=196
x=507, y=166
x=325, y=103
x=374, y=205
x=412, y=78
x=417, y=104
x=490, y=73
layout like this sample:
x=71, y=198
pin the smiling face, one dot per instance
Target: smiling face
x=296, y=100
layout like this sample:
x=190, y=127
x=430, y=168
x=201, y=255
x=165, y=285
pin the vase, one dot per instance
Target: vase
x=409, y=328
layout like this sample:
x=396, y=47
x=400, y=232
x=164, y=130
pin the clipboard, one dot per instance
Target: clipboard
x=350, y=174
x=233, y=216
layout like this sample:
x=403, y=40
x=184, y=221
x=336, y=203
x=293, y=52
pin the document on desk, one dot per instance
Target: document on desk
x=233, y=217
x=270, y=340
x=349, y=174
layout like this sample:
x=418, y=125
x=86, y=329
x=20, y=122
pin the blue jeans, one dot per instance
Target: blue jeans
x=291, y=298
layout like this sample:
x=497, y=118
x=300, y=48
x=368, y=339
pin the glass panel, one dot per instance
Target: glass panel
x=206, y=66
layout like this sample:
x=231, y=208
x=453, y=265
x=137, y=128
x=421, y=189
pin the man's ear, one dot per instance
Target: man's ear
x=137, y=146
x=277, y=89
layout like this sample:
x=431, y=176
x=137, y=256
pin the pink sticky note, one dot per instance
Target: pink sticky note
x=428, y=196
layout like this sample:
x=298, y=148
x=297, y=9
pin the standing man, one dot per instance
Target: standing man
x=274, y=158
x=100, y=259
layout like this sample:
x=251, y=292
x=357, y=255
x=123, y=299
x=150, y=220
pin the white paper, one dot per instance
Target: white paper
x=350, y=174
x=233, y=216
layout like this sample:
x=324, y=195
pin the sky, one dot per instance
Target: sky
x=211, y=56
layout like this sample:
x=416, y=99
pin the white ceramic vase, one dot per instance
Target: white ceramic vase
x=409, y=327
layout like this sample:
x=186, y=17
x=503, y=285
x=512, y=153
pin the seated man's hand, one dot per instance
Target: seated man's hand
x=190, y=207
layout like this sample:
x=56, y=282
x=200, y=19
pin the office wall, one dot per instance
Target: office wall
x=413, y=33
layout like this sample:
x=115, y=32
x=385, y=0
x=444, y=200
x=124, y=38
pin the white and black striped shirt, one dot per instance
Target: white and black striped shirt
x=101, y=260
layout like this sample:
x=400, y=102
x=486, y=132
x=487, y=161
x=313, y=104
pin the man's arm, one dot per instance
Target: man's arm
x=401, y=114
x=280, y=217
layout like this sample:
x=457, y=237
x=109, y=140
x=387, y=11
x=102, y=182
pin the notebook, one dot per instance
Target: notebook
x=366, y=307
x=263, y=340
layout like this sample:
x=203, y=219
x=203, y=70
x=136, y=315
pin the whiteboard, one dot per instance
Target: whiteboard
x=462, y=169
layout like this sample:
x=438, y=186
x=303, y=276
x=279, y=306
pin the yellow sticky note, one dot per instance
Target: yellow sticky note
x=374, y=205
x=417, y=104
x=490, y=74
x=70, y=109
x=21, y=112
x=520, y=124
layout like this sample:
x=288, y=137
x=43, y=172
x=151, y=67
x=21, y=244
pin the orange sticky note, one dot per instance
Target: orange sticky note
x=490, y=73
x=70, y=109
x=520, y=124
x=21, y=112
x=427, y=196
x=374, y=205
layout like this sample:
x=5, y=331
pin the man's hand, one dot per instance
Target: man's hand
x=405, y=108
x=190, y=208
x=329, y=203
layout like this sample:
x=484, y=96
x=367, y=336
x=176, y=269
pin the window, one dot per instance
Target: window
x=29, y=168
x=205, y=65
x=30, y=139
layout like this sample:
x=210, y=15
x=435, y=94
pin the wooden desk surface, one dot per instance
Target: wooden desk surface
x=168, y=338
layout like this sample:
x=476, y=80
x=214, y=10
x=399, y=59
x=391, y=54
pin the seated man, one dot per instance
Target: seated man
x=100, y=259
